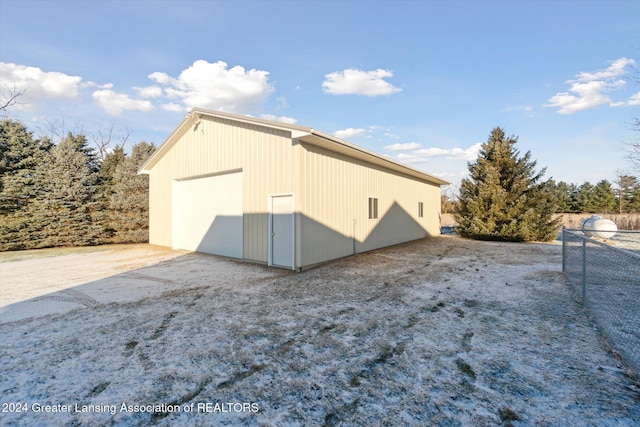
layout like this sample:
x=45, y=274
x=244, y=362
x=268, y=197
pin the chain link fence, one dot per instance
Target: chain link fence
x=607, y=277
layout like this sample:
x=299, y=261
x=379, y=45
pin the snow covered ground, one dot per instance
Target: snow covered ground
x=441, y=331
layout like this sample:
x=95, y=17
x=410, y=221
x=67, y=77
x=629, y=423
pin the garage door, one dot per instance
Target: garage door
x=207, y=214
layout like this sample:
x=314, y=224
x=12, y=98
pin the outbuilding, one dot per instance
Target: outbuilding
x=285, y=195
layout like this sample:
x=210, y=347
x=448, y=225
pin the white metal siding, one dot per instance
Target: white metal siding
x=214, y=145
x=334, y=207
x=331, y=191
x=207, y=215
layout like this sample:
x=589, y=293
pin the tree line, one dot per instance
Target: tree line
x=68, y=193
x=622, y=196
x=602, y=197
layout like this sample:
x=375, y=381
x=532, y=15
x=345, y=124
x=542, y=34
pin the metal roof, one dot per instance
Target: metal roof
x=301, y=133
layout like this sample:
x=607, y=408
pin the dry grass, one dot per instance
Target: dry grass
x=623, y=221
x=629, y=221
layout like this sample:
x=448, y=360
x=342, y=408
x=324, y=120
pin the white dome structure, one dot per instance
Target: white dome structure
x=599, y=227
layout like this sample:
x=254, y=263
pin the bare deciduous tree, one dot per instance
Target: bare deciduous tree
x=102, y=140
x=633, y=147
x=10, y=98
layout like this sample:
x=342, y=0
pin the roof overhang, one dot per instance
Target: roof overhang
x=300, y=133
x=337, y=145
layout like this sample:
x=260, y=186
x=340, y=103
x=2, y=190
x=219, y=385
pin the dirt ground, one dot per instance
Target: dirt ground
x=441, y=331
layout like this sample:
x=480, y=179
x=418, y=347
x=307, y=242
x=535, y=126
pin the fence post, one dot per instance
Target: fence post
x=564, y=251
x=584, y=271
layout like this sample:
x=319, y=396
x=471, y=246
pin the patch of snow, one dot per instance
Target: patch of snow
x=438, y=331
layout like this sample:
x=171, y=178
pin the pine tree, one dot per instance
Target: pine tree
x=584, y=198
x=20, y=158
x=105, y=190
x=504, y=198
x=634, y=199
x=604, y=198
x=68, y=206
x=129, y=203
x=20, y=154
x=628, y=197
x=565, y=196
x=109, y=165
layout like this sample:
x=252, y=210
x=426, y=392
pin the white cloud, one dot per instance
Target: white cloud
x=159, y=77
x=173, y=107
x=149, y=91
x=358, y=82
x=451, y=176
x=283, y=119
x=96, y=85
x=214, y=86
x=616, y=69
x=634, y=100
x=519, y=108
x=581, y=96
x=407, y=146
x=589, y=89
x=349, y=133
x=116, y=103
x=410, y=158
x=468, y=154
x=38, y=84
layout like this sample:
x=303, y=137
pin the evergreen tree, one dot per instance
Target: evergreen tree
x=604, y=198
x=504, y=198
x=80, y=143
x=569, y=199
x=20, y=158
x=634, y=199
x=20, y=154
x=109, y=165
x=105, y=189
x=563, y=196
x=584, y=198
x=628, y=199
x=129, y=203
x=68, y=205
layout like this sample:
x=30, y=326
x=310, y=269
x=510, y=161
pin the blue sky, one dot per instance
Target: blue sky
x=421, y=81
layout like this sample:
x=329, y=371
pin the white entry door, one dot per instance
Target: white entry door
x=207, y=215
x=282, y=231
